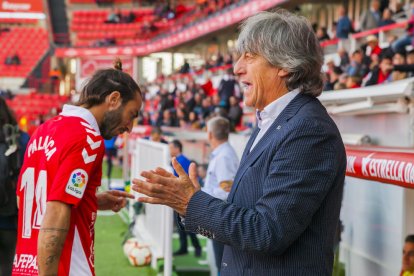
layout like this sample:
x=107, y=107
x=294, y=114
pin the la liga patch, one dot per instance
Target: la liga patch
x=77, y=183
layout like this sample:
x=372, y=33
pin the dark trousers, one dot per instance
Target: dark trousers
x=110, y=153
x=8, y=240
x=183, y=239
x=218, y=248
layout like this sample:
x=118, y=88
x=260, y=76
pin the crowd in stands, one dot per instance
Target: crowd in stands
x=188, y=104
x=370, y=64
x=12, y=60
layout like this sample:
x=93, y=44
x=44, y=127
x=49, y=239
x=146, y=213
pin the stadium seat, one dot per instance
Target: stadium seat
x=29, y=43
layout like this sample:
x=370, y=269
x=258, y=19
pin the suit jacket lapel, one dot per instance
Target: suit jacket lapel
x=271, y=134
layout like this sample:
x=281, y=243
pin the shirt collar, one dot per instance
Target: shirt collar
x=273, y=110
x=80, y=112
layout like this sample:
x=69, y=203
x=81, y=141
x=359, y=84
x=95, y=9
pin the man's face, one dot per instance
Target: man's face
x=410, y=59
x=408, y=257
x=173, y=150
x=119, y=120
x=357, y=57
x=260, y=80
x=375, y=5
x=156, y=137
x=398, y=59
x=386, y=65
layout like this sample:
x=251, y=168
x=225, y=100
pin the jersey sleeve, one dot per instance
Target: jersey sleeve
x=77, y=165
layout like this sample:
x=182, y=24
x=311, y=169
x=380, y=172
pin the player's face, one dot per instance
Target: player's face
x=118, y=121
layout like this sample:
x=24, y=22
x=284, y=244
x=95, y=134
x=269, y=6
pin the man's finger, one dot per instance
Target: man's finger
x=149, y=189
x=163, y=172
x=155, y=178
x=192, y=173
x=121, y=194
x=178, y=168
x=151, y=200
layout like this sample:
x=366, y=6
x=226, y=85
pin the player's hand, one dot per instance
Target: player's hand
x=113, y=200
x=164, y=188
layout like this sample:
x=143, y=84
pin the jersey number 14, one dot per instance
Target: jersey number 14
x=33, y=191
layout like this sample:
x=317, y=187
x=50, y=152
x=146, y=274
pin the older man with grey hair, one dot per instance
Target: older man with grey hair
x=222, y=168
x=282, y=212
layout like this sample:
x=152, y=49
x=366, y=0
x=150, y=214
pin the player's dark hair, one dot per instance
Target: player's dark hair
x=409, y=238
x=106, y=81
x=177, y=144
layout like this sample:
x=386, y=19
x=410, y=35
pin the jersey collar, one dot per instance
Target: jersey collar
x=83, y=113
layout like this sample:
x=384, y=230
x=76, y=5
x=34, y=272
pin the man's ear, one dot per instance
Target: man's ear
x=114, y=100
x=282, y=73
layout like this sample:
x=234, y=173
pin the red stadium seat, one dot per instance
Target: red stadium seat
x=29, y=43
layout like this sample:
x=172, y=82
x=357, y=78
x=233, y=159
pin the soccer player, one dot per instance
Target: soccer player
x=57, y=187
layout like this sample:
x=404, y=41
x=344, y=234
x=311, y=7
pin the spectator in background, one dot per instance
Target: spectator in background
x=226, y=88
x=110, y=154
x=333, y=79
x=10, y=136
x=185, y=68
x=353, y=82
x=357, y=68
x=235, y=112
x=380, y=73
x=194, y=121
x=201, y=174
x=129, y=18
x=388, y=51
x=228, y=59
x=344, y=24
x=407, y=268
x=397, y=59
x=371, y=18
x=322, y=34
x=220, y=60
x=401, y=43
x=13, y=59
x=55, y=76
x=386, y=18
x=410, y=57
x=399, y=12
x=221, y=169
x=176, y=150
x=114, y=16
x=144, y=119
x=408, y=67
x=343, y=55
x=156, y=135
x=341, y=83
x=373, y=45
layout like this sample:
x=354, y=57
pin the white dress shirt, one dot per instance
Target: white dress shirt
x=222, y=167
x=268, y=115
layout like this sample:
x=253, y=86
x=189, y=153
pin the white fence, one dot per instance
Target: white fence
x=155, y=224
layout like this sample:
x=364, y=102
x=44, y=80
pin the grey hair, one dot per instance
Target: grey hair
x=286, y=41
x=219, y=127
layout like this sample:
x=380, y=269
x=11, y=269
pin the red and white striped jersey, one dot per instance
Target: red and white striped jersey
x=63, y=162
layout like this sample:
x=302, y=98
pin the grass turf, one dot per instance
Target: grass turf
x=109, y=257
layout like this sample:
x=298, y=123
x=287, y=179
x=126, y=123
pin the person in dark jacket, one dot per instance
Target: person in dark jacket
x=13, y=142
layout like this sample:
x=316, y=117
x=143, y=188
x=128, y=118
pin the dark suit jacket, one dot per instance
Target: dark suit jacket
x=282, y=212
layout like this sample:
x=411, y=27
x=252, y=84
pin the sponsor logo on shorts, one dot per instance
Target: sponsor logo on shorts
x=77, y=183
